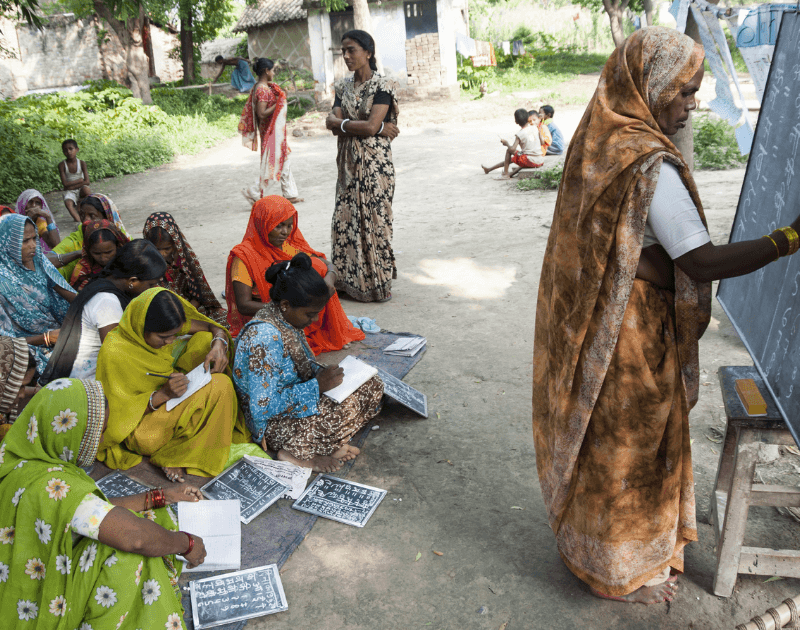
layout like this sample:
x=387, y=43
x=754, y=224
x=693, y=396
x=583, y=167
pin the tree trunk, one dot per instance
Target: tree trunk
x=362, y=20
x=129, y=34
x=187, y=48
x=648, y=11
x=615, y=17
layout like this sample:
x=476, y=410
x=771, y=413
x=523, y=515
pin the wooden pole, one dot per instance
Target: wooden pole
x=767, y=620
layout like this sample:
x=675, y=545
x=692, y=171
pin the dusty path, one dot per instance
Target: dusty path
x=469, y=251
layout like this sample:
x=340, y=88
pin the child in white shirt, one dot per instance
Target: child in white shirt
x=526, y=152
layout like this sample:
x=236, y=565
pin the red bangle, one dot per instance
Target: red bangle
x=191, y=544
x=159, y=498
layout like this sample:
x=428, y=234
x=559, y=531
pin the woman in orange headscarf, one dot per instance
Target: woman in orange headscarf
x=272, y=236
x=624, y=296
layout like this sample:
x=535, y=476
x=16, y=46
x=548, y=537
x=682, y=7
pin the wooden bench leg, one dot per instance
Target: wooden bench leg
x=729, y=546
x=722, y=484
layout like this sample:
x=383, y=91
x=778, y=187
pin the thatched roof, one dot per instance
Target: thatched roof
x=269, y=12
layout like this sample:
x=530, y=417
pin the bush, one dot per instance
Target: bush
x=715, y=145
x=549, y=179
x=117, y=134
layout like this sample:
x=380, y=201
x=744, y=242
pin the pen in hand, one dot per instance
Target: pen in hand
x=167, y=376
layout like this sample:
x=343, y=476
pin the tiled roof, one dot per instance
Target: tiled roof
x=269, y=12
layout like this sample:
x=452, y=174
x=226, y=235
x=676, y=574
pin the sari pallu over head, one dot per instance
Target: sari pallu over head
x=86, y=269
x=22, y=202
x=29, y=304
x=592, y=254
x=273, y=143
x=258, y=254
x=109, y=210
x=41, y=485
x=189, y=281
x=122, y=366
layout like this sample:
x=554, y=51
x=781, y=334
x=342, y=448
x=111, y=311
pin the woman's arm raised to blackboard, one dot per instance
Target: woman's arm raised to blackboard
x=715, y=262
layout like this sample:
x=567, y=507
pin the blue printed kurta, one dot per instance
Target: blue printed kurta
x=267, y=381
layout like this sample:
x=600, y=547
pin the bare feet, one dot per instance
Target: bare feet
x=173, y=474
x=295, y=199
x=485, y=169
x=504, y=176
x=664, y=592
x=346, y=453
x=318, y=463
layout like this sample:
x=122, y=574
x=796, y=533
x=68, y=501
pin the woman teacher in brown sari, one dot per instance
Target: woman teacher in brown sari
x=364, y=118
x=624, y=296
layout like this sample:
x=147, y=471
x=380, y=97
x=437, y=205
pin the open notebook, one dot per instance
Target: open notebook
x=218, y=524
x=198, y=379
x=356, y=373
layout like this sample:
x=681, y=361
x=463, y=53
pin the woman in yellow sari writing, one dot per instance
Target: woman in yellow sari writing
x=143, y=364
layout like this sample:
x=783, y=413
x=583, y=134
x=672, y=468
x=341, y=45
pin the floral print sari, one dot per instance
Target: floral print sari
x=361, y=231
x=48, y=574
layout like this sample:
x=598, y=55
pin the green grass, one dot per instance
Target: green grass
x=715, y=146
x=116, y=133
x=543, y=70
x=548, y=179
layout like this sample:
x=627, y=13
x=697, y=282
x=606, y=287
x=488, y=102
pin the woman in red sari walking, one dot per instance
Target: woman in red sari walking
x=263, y=124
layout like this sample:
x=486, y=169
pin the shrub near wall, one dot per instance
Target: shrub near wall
x=116, y=133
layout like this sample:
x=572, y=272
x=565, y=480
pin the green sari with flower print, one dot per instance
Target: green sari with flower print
x=49, y=579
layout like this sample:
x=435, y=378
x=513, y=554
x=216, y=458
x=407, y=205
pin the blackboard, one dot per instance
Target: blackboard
x=255, y=489
x=118, y=485
x=764, y=307
x=235, y=596
x=406, y=395
x=340, y=500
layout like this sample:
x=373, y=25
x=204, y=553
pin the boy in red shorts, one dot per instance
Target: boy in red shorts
x=526, y=152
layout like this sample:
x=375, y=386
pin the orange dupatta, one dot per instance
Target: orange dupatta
x=332, y=330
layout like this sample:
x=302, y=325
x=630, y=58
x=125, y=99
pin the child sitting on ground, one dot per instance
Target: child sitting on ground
x=535, y=119
x=546, y=113
x=529, y=142
x=74, y=178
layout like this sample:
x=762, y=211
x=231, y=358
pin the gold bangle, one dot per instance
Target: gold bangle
x=774, y=243
x=792, y=237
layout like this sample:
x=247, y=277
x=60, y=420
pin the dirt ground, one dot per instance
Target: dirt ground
x=462, y=482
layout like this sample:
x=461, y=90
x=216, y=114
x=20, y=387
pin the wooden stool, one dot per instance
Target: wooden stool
x=734, y=491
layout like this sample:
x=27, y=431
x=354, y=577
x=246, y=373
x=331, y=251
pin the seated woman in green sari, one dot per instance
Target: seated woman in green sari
x=72, y=558
x=143, y=364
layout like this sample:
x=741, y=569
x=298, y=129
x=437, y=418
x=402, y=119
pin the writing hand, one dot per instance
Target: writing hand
x=332, y=376
x=176, y=386
x=198, y=555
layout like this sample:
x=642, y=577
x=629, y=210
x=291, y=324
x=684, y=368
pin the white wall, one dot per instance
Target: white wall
x=319, y=39
x=389, y=26
x=448, y=17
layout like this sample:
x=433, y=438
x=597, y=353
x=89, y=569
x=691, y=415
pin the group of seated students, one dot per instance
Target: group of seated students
x=137, y=315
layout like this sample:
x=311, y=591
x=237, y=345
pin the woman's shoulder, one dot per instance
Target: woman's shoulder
x=385, y=84
x=340, y=85
x=260, y=332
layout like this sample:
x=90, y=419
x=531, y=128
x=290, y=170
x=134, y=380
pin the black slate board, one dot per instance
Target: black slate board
x=237, y=596
x=255, y=489
x=403, y=393
x=764, y=307
x=340, y=500
x=118, y=485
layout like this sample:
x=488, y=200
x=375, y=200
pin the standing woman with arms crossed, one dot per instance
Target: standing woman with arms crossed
x=624, y=297
x=364, y=117
x=263, y=124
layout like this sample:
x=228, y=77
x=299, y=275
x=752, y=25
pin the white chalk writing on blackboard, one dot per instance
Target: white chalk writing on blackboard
x=340, y=500
x=255, y=489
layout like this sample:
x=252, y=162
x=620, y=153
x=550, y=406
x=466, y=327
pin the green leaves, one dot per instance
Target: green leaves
x=715, y=145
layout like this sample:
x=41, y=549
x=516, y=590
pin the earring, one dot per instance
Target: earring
x=130, y=286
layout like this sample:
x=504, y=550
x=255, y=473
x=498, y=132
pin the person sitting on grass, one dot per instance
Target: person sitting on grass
x=241, y=77
x=74, y=177
x=529, y=142
x=279, y=384
x=557, y=147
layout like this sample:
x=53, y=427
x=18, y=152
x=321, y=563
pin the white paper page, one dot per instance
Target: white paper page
x=356, y=373
x=218, y=524
x=198, y=379
x=296, y=477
